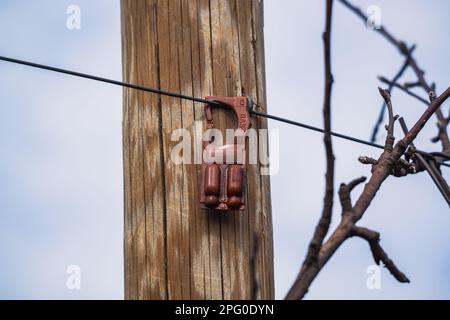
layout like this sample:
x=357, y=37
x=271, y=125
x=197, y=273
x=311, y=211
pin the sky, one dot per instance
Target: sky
x=61, y=188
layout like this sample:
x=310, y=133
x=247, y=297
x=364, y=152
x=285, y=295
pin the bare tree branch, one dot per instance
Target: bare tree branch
x=405, y=90
x=379, y=255
x=325, y=220
x=390, y=138
x=389, y=163
x=350, y=216
x=403, y=48
x=345, y=193
x=382, y=30
x=391, y=87
x=434, y=106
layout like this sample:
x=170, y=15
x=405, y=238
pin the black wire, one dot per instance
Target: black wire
x=306, y=126
x=114, y=82
x=184, y=97
x=338, y=135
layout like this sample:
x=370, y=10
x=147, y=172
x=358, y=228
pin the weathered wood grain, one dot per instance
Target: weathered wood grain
x=173, y=249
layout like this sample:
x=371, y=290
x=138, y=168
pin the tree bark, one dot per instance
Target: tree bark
x=174, y=249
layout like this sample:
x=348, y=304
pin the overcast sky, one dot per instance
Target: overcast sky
x=61, y=198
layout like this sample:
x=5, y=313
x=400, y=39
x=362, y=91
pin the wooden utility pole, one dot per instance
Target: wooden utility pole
x=174, y=249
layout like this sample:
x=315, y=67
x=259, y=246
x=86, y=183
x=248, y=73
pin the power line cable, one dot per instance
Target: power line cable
x=312, y=128
x=340, y=135
x=191, y=98
x=110, y=81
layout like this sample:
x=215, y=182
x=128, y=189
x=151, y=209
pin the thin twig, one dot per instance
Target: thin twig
x=379, y=255
x=403, y=48
x=391, y=87
x=390, y=138
x=405, y=90
x=345, y=193
x=325, y=220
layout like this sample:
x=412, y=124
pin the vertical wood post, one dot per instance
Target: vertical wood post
x=173, y=249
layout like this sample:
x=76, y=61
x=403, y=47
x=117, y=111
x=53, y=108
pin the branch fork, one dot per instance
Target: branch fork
x=379, y=255
x=389, y=163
